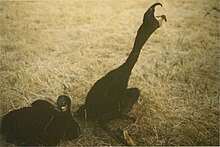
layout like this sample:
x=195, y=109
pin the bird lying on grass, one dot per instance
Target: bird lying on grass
x=40, y=124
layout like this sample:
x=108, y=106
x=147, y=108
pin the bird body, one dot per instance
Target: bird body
x=25, y=125
x=105, y=96
x=40, y=124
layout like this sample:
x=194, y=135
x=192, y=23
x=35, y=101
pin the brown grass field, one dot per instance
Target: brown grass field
x=49, y=48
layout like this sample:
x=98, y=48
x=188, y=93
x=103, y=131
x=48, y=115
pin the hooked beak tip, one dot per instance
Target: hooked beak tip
x=156, y=4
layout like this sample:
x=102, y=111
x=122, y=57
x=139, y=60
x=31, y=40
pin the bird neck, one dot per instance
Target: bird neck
x=143, y=33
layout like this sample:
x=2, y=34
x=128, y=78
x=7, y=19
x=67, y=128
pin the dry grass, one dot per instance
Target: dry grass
x=46, y=45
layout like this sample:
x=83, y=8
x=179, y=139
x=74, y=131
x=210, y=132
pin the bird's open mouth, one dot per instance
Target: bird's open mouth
x=159, y=18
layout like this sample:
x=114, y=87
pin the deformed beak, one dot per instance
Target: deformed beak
x=160, y=19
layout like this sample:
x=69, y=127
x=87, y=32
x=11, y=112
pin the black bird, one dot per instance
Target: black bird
x=109, y=97
x=34, y=125
x=22, y=126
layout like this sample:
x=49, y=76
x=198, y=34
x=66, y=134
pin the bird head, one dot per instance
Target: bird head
x=63, y=103
x=150, y=20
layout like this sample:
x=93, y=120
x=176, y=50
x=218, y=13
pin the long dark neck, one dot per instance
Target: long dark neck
x=143, y=33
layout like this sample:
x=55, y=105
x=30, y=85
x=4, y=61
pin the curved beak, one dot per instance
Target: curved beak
x=156, y=4
x=160, y=18
x=149, y=15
